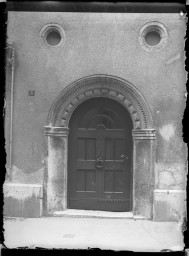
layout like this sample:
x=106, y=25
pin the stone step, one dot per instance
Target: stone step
x=96, y=214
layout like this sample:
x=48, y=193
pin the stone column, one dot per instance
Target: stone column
x=143, y=172
x=57, y=140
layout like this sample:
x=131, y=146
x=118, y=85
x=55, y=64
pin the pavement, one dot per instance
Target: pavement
x=75, y=232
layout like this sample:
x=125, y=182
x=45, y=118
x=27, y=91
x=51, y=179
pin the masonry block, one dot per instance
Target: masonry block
x=22, y=200
x=169, y=205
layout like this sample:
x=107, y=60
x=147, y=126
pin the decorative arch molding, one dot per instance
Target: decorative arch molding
x=100, y=86
x=57, y=133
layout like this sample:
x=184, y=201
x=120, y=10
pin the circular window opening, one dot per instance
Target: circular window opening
x=53, y=35
x=152, y=38
x=53, y=38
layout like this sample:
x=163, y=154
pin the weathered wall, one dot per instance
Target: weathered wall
x=169, y=205
x=96, y=43
x=22, y=200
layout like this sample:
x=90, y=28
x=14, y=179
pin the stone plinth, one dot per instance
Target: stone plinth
x=169, y=205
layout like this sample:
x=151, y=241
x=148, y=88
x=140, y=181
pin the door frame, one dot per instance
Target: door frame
x=57, y=129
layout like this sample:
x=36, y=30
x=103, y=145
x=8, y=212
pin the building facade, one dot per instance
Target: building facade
x=94, y=108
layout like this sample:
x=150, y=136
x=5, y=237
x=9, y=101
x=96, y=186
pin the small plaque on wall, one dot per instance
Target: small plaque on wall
x=31, y=93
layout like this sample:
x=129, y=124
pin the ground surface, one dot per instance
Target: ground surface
x=104, y=233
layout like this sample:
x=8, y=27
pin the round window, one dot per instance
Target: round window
x=153, y=36
x=53, y=35
x=53, y=38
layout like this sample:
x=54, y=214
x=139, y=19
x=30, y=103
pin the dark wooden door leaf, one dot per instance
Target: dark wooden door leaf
x=100, y=148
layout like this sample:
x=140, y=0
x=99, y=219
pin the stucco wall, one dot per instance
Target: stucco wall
x=96, y=43
x=22, y=200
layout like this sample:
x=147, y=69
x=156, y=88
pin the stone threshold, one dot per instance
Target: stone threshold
x=96, y=214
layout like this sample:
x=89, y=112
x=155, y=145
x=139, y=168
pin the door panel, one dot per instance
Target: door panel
x=90, y=149
x=80, y=148
x=109, y=149
x=119, y=148
x=100, y=146
x=109, y=181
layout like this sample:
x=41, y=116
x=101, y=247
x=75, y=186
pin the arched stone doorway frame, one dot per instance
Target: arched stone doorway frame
x=57, y=129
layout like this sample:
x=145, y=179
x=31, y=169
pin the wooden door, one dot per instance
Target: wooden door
x=100, y=153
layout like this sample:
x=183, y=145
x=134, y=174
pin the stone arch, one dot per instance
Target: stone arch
x=100, y=86
x=57, y=130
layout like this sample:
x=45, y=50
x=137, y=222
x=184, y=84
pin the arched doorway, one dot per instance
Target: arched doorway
x=57, y=130
x=100, y=156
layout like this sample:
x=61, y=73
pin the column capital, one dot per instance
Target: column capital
x=144, y=134
x=56, y=131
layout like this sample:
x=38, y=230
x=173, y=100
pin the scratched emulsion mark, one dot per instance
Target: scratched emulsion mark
x=69, y=236
x=167, y=131
x=173, y=59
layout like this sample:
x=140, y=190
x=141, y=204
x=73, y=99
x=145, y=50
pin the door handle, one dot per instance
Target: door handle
x=124, y=157
x=99, y=162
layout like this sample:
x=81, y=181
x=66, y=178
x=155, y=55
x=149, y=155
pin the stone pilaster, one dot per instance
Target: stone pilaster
x=143, y=172
x=57, y=140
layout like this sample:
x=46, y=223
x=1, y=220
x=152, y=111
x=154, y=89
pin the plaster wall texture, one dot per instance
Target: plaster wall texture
x=96, y=43
x=169, y=205
x=22, y=200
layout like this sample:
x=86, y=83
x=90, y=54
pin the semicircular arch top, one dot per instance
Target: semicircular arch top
x=100, y=86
